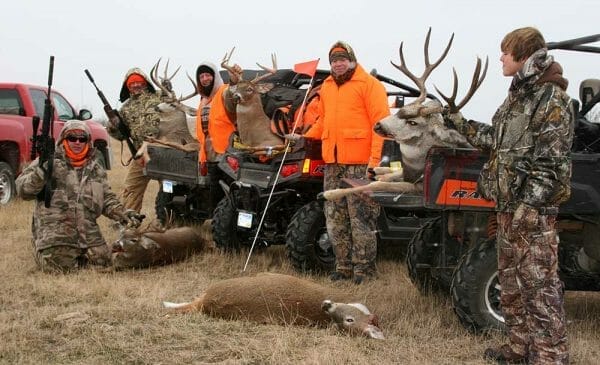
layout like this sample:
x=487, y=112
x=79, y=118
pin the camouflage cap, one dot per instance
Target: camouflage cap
x=73, y=125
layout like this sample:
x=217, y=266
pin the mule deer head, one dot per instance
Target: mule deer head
x=419, y=126
x=244, y=95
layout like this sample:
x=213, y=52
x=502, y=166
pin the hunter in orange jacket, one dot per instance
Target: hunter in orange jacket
x=348, y=114
x=213, y=123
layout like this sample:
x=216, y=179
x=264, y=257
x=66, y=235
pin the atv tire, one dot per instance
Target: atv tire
x=307, y=243
x=476, y=291
x=224, y=230
x=423, y=257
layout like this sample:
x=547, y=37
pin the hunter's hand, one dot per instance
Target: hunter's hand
x=133, y=219
x=453, y=120
x=114, y=121
x=293, y=138
x=525, y=217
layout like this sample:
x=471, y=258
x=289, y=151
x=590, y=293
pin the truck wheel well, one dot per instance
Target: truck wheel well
x=9, y=153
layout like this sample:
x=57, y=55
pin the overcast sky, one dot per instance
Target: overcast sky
x=110, y=36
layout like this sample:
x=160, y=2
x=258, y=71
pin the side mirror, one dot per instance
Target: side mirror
x=84, y=114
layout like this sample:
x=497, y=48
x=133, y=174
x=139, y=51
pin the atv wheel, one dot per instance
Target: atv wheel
x=423, y=258
x=307, y=243
x=163, y=212
x=224, y=230
x=7, y=184
x=476, y=290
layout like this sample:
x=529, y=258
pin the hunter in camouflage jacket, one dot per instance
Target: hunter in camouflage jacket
x=139, y=112
x=529, y=140
x=79, y=197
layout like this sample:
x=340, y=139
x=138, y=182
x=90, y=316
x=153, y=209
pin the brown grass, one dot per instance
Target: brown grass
x=94, y=317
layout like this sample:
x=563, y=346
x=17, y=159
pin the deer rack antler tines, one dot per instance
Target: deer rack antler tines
x=478, y=77
x=416, y=108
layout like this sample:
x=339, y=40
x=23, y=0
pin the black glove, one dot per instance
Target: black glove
x=321, y=197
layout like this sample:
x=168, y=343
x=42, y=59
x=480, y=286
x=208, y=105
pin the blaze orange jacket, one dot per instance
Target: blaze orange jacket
x=220, y=126
x=348, y=114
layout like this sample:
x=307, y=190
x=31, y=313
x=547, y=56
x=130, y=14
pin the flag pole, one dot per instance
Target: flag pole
x=287, y=146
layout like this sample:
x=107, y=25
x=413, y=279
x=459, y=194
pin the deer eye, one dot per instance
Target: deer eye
x=411, y=122
x=349, y=319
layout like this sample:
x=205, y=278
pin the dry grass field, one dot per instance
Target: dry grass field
x=95, y=317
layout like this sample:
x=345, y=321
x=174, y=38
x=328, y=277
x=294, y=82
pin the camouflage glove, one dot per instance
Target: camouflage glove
x=525, y=217
x=133, y=219
x=454, y=120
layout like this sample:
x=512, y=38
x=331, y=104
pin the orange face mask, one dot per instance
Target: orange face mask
x=76, y=159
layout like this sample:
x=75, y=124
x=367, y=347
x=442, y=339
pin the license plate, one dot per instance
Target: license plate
x=167, y=186
x=244, y=220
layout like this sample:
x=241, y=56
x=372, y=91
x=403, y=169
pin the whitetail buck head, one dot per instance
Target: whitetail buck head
x=245, y=97
x=154, y=245
x=419, y=126
x=177, y=122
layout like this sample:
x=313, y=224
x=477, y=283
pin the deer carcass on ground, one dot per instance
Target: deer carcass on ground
x=253, y=125
x=149, y=246
x=282, y=299
x=174, y=128
x=417, y=127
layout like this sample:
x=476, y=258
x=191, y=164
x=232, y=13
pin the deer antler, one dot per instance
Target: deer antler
x=235, y=74
x=476, y=81
x=429, y=67
x=270, y=71
x=168, y=91
x=183, y=98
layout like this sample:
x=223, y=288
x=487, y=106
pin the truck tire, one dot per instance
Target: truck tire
x=476, y=291
x=307, y=243
x=7, y=183
x=223, y=223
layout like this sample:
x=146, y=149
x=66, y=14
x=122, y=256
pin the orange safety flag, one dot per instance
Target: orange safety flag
x=308, y=68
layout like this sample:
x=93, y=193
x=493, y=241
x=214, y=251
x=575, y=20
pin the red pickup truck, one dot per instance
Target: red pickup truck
x=18, y=104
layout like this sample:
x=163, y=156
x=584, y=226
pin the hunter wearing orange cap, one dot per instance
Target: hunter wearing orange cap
x=139, y=113
x=352, y=101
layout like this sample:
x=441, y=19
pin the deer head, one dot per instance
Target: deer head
x=419, y=126
x=243, y=98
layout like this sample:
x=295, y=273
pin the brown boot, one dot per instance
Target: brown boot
x=504, y=355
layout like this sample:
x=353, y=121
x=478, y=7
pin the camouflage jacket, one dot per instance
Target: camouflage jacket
x=529, y=139
x=80, y=196
x=139, y=112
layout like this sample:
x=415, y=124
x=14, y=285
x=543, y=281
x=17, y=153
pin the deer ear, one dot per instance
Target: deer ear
x=264, y=88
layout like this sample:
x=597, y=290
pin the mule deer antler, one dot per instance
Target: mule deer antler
x=164, y=84
x=194, y=93
x=415, y=108
x=270, y=71
x=476, y=81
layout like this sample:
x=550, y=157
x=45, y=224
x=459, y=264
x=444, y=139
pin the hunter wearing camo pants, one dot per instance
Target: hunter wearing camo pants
x=139, y=113
x=528, y=175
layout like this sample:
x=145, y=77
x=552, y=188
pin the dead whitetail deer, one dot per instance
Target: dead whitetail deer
x=253, y=125
x=175, y=117
x=417, y=127
x=156, y=245
x=282, y=299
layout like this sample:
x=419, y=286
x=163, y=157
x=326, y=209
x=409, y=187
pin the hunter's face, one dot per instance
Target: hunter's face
x=339, y=66
x=77, y=142
x=510, y=67
x=205, y=79
x=136, y=87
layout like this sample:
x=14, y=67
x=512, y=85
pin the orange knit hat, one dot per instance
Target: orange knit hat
x=135, y=78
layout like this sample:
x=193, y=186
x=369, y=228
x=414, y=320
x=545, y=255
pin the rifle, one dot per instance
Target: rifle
x=112, y=114
x=44, y=143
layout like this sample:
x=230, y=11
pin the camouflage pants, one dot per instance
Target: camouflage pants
x=532, y=293
x=135, y=186
x=351, y=223
x=63, y=259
